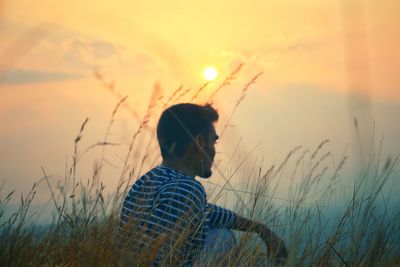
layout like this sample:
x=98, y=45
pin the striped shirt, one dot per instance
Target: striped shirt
x=167, y=211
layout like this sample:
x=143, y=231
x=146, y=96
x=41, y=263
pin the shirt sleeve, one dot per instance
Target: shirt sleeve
x=220, y=217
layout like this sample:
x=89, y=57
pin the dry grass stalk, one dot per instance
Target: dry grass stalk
x=84, y=230
x=227, y=81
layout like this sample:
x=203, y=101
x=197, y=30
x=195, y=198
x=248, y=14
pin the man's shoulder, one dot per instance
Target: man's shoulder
x=167, y=180
x=184, y=182
x=155, y=175
x=185, y=186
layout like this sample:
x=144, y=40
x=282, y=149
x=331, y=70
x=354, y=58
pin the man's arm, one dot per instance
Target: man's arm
x=276, y=246
x=220, y=217
x=224, y=218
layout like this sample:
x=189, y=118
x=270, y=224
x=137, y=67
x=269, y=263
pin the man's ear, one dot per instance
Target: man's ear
x=199, y=142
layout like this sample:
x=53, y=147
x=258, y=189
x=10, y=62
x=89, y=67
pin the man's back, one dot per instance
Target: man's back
x=165, y=206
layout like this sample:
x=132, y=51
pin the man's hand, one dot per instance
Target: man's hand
x=276, y=247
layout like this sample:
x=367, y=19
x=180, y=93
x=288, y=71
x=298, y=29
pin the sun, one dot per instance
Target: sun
x=210, y=73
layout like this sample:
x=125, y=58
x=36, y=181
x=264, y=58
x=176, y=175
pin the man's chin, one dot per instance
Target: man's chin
x=206, y=174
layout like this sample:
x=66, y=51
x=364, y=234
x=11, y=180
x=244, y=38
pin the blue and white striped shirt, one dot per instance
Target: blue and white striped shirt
x=166, y=210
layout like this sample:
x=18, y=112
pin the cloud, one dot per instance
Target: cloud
x=72, y=50
x=49, y=48
x=20, y=76
x=101, y=49
x=84, y=53
x=21, y=46
x=10, y=27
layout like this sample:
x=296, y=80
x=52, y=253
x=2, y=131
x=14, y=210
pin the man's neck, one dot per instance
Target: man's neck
x=178, y=165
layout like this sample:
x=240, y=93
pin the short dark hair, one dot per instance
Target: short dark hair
x=178, y=125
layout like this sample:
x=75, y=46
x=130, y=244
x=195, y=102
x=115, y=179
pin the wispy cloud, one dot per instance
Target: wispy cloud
x=20, y=76
x=102, y=49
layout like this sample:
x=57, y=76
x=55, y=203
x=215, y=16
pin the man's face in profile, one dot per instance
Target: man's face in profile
x=209, y=153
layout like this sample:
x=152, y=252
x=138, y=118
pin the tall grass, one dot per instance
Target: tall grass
x=363, y=231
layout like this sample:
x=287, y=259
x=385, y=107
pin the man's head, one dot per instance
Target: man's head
x=186, y=133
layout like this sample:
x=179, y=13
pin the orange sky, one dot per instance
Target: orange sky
x=314, y=54
x=295, y=42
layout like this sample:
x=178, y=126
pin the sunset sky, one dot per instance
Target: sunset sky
x=323, y=63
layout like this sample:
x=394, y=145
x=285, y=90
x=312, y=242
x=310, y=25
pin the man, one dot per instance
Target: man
x=165, y=216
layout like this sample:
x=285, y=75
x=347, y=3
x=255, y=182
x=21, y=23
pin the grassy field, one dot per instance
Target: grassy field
x=362, y=231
